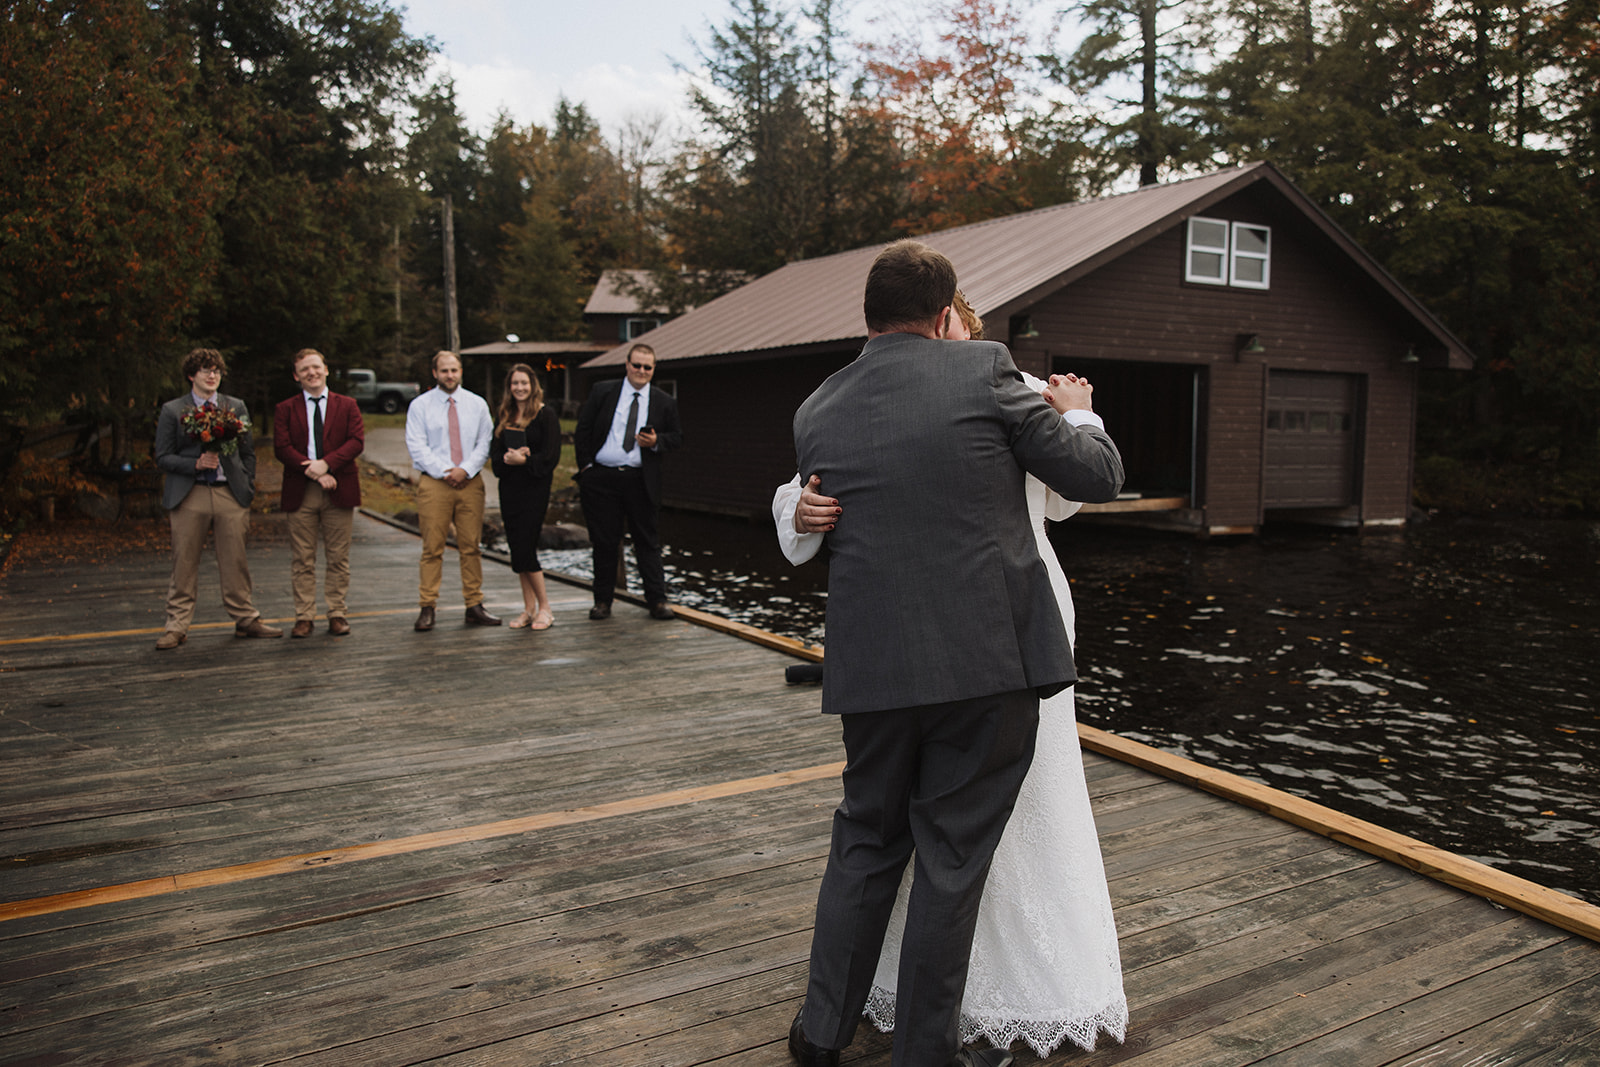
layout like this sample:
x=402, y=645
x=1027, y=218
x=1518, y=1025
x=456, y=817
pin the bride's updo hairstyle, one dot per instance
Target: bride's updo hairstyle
x=969, y=317
x=908, y=286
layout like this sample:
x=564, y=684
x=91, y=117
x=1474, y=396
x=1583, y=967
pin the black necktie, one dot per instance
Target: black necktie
x=629, y=431
x=316, y=426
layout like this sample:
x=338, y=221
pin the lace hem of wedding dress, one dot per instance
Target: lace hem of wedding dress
x=1041, y=1035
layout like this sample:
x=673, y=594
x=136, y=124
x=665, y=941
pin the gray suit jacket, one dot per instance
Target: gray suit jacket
x=935, y=587
x=176, y=453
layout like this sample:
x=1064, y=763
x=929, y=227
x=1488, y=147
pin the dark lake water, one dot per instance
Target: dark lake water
x=1442, y=681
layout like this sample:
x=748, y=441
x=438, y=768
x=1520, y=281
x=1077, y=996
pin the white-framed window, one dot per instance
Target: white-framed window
x=1208, y=252
x=1220, y=252
x=632, y=328
x=1251, y=262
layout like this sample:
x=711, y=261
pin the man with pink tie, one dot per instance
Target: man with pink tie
x=447, y=433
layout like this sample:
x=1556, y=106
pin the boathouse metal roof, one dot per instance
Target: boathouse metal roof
x=1005, y=265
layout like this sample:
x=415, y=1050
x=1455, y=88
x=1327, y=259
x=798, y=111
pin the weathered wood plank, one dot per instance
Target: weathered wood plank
x=1519, y=999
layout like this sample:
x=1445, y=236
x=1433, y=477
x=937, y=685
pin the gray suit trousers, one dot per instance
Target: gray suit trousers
x=940, y=780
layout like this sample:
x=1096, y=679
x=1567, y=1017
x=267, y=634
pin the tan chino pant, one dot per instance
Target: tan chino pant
x=438, y=506
x=318, y=517
x=209, y=507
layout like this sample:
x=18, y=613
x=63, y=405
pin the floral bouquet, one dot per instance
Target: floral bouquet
x=218, y=429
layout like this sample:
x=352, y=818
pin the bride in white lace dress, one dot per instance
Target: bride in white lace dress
x=1045, y=966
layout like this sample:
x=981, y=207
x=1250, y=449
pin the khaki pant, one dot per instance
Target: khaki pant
x=317, y=516
x=209, y=507
x=438, y=506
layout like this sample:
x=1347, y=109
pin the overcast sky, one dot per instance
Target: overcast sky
x=613, y=56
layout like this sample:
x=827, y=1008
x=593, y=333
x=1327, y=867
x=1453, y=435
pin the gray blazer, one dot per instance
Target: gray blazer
x=176, y=453
x=935, y=587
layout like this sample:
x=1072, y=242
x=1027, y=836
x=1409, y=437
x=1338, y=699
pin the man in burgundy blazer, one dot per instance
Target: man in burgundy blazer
x=317, y=435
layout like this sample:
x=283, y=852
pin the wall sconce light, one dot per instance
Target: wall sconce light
x=512, y=338
x=1249, y=344
x=1023, y=328
x=1410, y=356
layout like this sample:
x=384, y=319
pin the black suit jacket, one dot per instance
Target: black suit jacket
x=594, y=422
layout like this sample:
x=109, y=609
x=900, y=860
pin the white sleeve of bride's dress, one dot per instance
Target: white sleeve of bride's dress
x=797, y=547
x=1057, y=508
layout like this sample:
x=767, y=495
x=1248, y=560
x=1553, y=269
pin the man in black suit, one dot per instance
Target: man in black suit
x=622, y=431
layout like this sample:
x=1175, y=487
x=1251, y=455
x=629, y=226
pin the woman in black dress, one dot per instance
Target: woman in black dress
x=524, y=451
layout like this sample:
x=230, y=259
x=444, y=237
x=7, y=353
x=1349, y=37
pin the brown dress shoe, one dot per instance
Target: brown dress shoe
x=476, y=616
x=338, y=626
x=302, y=628
x=170, y=640
x=424, y=620
x=256, y=628
x=600, y=611
x=662, y=610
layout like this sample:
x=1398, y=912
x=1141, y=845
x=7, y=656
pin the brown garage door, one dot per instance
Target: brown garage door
x=1311, y=440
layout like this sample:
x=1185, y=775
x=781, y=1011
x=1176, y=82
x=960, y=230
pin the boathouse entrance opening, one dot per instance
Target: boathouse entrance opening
x=1309, y=454
x=1150, y=412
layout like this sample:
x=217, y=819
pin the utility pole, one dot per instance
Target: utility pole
x=452, y=326
x=399, y=319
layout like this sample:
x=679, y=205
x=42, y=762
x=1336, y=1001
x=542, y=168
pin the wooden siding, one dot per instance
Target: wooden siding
x=1231, y=481
x=1391, y=407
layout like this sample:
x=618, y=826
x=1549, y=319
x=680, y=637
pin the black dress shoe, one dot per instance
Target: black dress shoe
x=476, y=616
x=805, y=1053
x=661, y=610
x=983, y=1057
x=600, y=611
x=424, y=620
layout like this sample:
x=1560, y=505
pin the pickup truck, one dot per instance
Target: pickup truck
x=388, y=397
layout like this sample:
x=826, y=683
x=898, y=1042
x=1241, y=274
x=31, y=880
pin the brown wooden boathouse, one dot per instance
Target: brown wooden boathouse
x=1250, y=360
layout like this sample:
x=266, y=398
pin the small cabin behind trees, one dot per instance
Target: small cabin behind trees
x=1249, y=359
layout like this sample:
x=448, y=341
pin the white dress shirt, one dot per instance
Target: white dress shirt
x=799, y=547
x=428, y=431
x=611, y=453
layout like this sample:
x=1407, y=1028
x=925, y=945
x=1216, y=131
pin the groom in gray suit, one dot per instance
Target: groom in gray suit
x=943, y=634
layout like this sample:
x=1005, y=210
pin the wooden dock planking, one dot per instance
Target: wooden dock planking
x=663, y=933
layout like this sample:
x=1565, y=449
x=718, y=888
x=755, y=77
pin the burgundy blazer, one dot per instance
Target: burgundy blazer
x=343, y=436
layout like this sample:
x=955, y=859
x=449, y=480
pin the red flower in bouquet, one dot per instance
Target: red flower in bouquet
x=218, y=429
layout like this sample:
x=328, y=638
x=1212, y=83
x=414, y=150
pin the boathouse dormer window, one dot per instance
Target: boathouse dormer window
x=1220, y=252
x=1251, y=263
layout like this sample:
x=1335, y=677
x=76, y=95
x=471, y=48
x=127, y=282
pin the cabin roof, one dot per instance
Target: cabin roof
x=613, y=294
x=1005, y=265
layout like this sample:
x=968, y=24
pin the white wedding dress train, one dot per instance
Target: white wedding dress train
x=1045, y=966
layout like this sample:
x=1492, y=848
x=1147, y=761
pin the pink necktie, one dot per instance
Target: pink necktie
x=455, y=436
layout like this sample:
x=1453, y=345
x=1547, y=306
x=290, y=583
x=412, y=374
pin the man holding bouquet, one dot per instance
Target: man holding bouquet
x=203, y=444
